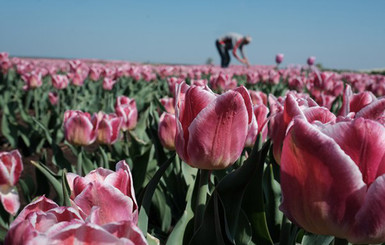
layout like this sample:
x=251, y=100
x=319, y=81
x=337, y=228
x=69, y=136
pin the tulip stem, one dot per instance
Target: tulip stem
x=340, y=241
x=201, y=197
x=36, y=103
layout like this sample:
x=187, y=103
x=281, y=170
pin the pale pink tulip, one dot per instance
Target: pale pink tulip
x=33, y=80
x=108, y=83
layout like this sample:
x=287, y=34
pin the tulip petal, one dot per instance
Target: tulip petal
x=312, y=159
x=370, y=220
x=126, y=229
x=10, y=201
x=364, y=141
x=113, y=205
x=218, y=133
x=373, y=111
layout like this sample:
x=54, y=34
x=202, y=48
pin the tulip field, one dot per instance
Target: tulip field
x=113, y=152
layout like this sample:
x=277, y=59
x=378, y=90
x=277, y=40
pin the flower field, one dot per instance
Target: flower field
x=111, y=152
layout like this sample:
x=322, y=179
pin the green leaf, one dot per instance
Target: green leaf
x=45, y=130
x=313, y=239
x=145, y=203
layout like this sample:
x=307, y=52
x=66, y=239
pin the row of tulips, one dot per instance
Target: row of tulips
x=252, y=167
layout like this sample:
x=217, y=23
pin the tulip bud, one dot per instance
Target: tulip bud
x=80, y=128
x=167, y=130
x=126, y=109
x=211, y=129
x=311, y=60
x=279, y=58
x=109, y=128
x=11, y=167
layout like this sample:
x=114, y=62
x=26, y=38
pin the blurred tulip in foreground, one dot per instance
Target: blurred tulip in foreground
x=11, y=167
x=333, y=179
x=212, y=129
x=80, y=128
x=126, y=109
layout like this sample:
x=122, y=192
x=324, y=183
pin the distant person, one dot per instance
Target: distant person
x=232, y=41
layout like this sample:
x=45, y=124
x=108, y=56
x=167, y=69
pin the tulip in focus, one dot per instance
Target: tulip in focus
x=212, y=129
x=333, y=179
x=258, y=125
x=109, y=128
x=311, y=60
x=126, y=109
x=11, y=167
x=80, y=128
x=167, y=130
x=279, y=58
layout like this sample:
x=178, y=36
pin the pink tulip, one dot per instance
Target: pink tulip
x=258, y=97
x=332, y=179
x=53, y=98
x=279, y=58
x=168, y=104
x=108, y=83
x=109, y=128
x=95, y=72
x=126, y=109
x=167, y=130
x=258, y=125
x=33, y=80
x=112, y=192
x=11, y=167
x=80, y=128
x=355, y=102
x=311, y=60
x=223, y=82
x=294, y=106
x=212, y=129
x=44, y=222
x=59, y=81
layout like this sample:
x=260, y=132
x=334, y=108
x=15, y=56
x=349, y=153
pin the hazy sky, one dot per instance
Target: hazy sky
x=341, y=34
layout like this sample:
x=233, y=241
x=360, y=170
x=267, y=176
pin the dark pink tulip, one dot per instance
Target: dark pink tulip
x=279, y=58
x=80, y=128
x=355, y=102
x=59, y=81
x=167, y=130
x=293, y=107
x=212, y=129
x=311, y=60
x=11, y=167
x=53, y=98
x=112, y=192
x=109, y=128
x=332, y=179
x=126, y=109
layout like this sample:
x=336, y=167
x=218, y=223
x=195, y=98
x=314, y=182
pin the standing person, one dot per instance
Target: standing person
x=232, y=41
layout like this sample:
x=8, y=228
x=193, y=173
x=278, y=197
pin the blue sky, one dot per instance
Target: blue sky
x=341, y=34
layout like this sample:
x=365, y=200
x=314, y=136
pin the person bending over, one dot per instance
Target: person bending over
x=232, y=41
